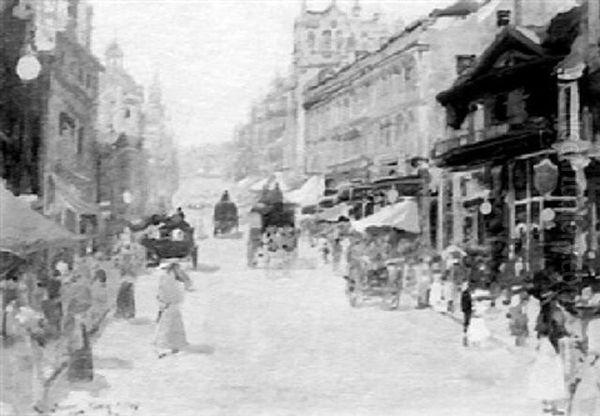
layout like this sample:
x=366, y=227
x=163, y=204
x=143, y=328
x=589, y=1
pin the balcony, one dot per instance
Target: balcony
x=496, y=142
x=476, y=136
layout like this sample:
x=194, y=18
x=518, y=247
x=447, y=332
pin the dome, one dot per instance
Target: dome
x=114, y=50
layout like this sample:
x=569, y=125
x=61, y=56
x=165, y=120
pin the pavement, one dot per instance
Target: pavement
x=290, y=344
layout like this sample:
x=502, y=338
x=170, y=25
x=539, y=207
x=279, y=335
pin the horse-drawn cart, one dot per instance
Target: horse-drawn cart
x=367, y=281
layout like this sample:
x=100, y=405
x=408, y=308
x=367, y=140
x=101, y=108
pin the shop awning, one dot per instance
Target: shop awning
x=334, y=213
x=308, y=194
x=403, y=216
x=24, y=231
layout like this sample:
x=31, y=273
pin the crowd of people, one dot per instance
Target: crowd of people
x=565, y=375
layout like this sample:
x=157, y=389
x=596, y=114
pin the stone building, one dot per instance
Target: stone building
x=323, y=42
x=163, y=169
x=519, y=149
x=378, y=117
x=123, y=175
x=262, y=140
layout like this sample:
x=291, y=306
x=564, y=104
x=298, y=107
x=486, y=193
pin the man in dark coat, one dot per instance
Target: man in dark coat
x=466, y=305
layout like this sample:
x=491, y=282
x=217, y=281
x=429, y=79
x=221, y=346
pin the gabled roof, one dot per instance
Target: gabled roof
x=511, y=38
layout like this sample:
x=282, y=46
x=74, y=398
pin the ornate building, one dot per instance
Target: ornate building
x=123, y=170
x=325, y=41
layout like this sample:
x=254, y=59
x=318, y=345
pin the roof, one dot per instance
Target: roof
x=460, y=8
x=24, y=231
x=510, y=38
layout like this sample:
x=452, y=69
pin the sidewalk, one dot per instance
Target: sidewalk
x=497, y=322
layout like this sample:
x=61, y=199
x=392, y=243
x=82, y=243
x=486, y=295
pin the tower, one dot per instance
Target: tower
x=114, y=55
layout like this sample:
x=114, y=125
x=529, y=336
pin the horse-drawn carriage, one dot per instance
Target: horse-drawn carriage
x=272, y=230
x=225, y=219
x=369, y=280
x=173, y=238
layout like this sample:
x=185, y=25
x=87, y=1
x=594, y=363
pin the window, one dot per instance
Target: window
x=310, y=40
x=463, y=63
x=502, y=18
x=66, y=125
x=351, y=45
x=339, y=40
x=500, y=109
x=326, y=40
x=80, y=75
x=567, y=111
x=127, y=113
x=409, y=72
x=80, y=140
x=72, y=9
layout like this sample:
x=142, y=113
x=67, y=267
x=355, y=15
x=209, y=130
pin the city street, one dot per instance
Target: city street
x=291, y=345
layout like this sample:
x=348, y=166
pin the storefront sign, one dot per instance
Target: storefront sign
x=545, y=177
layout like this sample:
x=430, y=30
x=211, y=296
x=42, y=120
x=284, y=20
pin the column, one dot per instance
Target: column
x=440, y=214
x=457, y=210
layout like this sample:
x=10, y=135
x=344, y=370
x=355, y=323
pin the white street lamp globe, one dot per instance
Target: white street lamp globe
x=127, y=197
x=28, y=67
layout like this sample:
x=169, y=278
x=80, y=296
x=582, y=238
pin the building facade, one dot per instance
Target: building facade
x=325, y=41
x=518, y=150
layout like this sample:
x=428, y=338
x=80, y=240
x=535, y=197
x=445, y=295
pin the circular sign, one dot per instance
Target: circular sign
x=28, y=67
x=548, y=214
x=392, y=196
x=485, y=208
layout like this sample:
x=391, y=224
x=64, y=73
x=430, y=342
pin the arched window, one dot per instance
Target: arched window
x=310, y=40
x=326, y=40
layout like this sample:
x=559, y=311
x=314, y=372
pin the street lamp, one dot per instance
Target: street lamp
x=28, y=66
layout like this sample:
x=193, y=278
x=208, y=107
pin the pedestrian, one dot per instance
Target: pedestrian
x=436, y=292
x=424, y=283
x=546, y=378
x=518, y=324
x=478, y=332
x=170, y=331
x=126, y=297
x=466, y=305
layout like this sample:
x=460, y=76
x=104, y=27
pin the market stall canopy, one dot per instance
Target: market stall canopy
x=403, y=216
x=24, y=231
x=309, y=193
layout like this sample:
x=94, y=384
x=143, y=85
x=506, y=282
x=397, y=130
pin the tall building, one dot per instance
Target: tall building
x=123, y=179
x=163, y=170
x=325, y=41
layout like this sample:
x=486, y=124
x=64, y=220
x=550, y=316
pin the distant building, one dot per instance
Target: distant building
x=163, y=168
x=123, y=170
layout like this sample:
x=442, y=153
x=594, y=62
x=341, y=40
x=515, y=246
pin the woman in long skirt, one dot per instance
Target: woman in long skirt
x=547, y=378
x=170, y=332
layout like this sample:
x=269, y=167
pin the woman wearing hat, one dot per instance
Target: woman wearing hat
x=170, y=332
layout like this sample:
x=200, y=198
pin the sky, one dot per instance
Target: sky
x=214, y=57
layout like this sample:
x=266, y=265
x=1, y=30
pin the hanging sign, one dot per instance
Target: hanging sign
x=545, y=176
